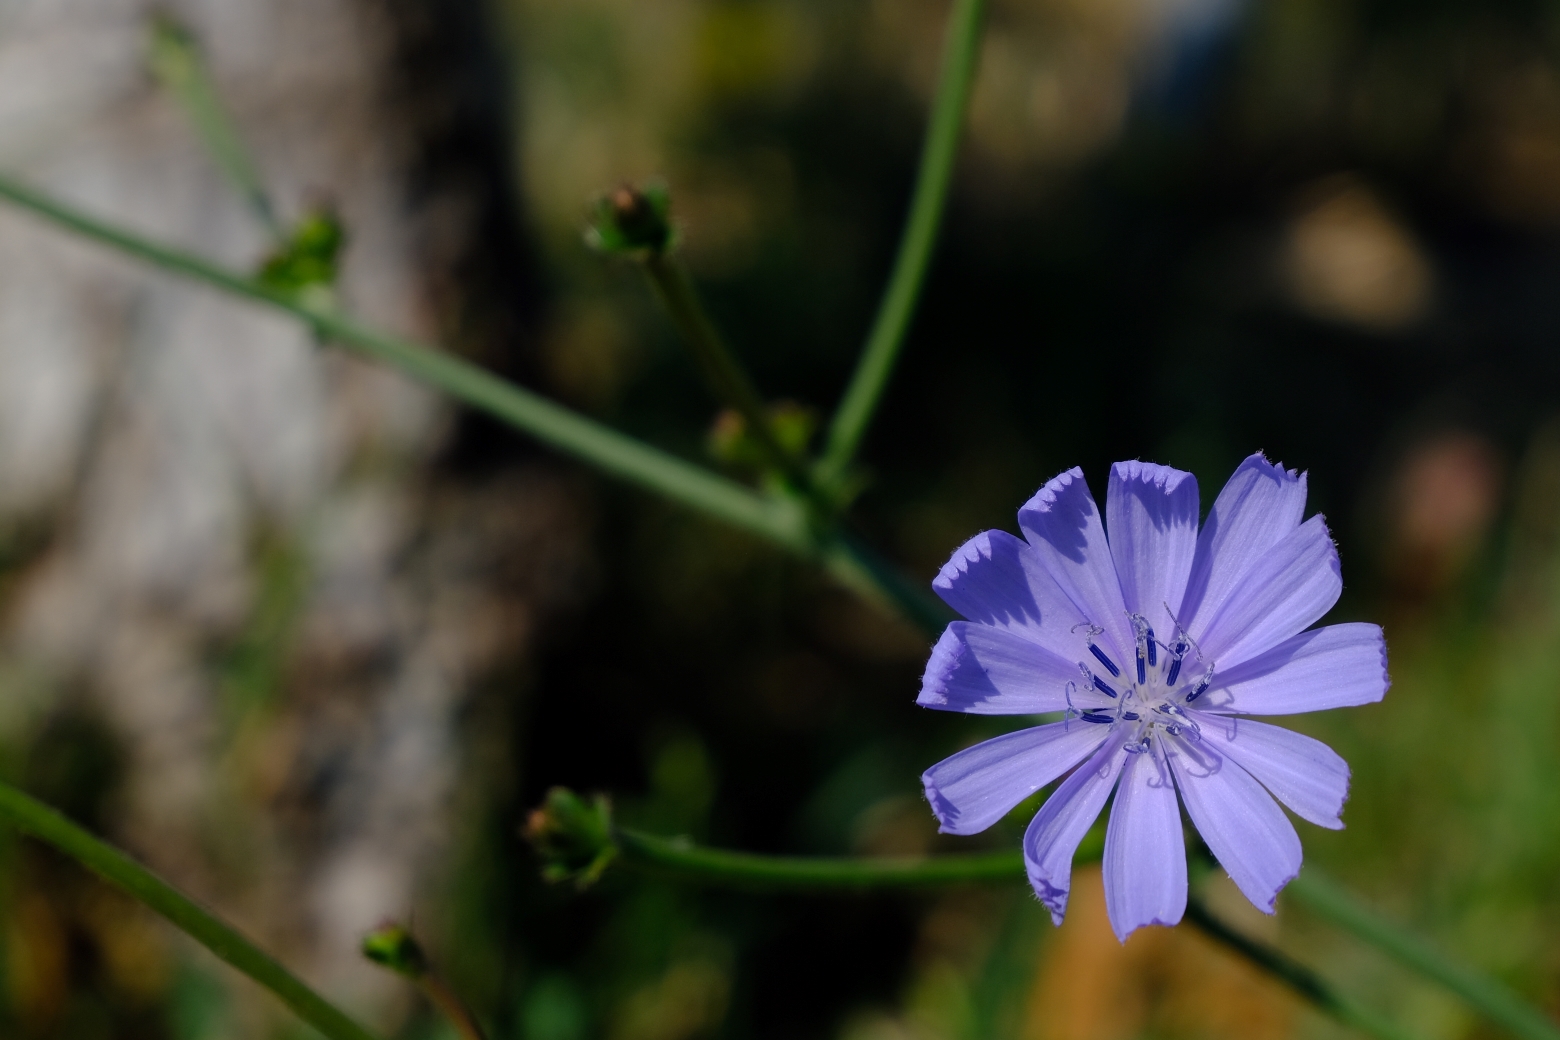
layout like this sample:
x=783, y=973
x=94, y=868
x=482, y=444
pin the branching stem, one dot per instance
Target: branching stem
x=726, y=377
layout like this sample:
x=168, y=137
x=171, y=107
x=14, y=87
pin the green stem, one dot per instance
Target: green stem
x=35, y=818
x=682, y=859
x=750, y=870
x=1292, y=973
x=590, y=441
x=452, y=1007
x=726, y=377
x=177, y=61
x=778, y=520
x=1497, y=1003
x=960, y=50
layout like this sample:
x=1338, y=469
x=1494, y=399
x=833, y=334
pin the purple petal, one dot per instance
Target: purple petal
x=975, y=788
x=1063, y=527
x=996, y=579
x=1145, y=854
x=1304, y=774
x=1054, y=833
x=1339, y=666
x=1294, y=583
x=1259, y=506
x=1151, y=515
x=994, y=671
x=1246, y=830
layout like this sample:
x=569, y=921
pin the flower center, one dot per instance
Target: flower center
x=1150, y=696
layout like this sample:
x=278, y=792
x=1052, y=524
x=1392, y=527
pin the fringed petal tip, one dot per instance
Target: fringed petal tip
x=943, y=811
x=1053, y=899
x=1258, y=460
x=946, y=656
x=1386, y=675
x=1166, y=478
x=1045, y=499
x=1272, y=903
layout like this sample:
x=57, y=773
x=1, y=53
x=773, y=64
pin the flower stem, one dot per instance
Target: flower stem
x=33, y=817
x=1326, y=899
x=682, y=859
x=177, y=62
x=960, y=50
x=559, y=427
x=726, y=377
x=453, y=1008
x=779, y=520
x=1292, y=973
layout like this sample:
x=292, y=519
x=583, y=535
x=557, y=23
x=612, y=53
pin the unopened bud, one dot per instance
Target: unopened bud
x=392, y=946
x=573, y=836
x=631, y=219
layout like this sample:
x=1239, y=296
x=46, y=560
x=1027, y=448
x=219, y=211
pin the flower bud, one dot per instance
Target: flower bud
x=392, y=946
x=573, y=836
x=632, y=220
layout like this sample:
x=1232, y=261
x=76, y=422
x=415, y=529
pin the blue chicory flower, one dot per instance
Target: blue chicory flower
x=1156, y=645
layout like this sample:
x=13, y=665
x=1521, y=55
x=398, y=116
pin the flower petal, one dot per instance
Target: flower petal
x=1062, y=525
x=1061, y=823
x=1151, y=517
x=1294, y=583
x=996, y=579
x=1145, y=853
x=994, y=671
x=1259, y=505
x=1304, y=774
x=975, y=788
x=1339, y=666
x=1246, y=830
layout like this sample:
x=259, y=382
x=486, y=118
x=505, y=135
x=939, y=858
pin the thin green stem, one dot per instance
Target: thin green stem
x=177, y=61
x=452, y=1007
x=33, y=817
x=574, y=434
x=685, y=860
x=779, y=520
x=960, y=50
x=1302, y=980
x=1327, y=900
x=727, y=379
x=812, y=873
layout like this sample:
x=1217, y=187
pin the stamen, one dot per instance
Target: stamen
x=1139, y=748
x=1175, y=665
x=1093, y=630
x=1130, y=716
x=1201, y=687
x=1147, y=651
x=1094, y=716
x=1102, y=686
x=1099, y=655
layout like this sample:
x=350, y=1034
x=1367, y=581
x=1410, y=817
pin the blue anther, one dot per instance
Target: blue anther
x=1103, y=686
x=1142, y=673
x=1130, y=716
x=1200, y=689
x=1153, y=648
x=1099, y=655
x=1094, y=716
x=1175, y=670
x=1136, y=749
